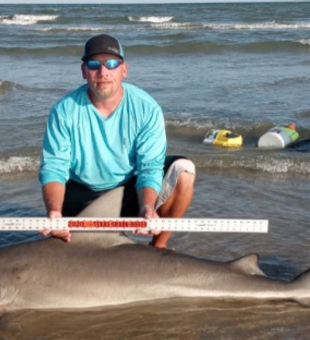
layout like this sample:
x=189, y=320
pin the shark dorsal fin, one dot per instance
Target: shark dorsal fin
x=248, y=265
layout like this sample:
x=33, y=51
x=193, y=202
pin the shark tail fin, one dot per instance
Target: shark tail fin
x=302, y=283
x=303, y=280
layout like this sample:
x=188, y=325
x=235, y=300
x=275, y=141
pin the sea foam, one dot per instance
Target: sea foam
x=18, y=164
x=304, y=41
x=271, y=25
x=72, y=28
x=24, y=19
x=150, y=19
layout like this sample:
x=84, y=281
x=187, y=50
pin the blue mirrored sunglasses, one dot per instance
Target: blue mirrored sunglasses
x=110, y=64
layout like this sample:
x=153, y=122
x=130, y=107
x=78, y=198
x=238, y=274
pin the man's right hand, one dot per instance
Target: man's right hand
x=64, y=235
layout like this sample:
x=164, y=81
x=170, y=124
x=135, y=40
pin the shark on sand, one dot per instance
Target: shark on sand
x=103, y=269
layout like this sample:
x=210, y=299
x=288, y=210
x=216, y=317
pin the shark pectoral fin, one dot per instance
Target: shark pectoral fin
x=247, y=265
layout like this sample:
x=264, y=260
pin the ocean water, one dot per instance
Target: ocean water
x=242, y=67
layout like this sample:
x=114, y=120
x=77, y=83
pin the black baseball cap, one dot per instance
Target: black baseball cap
x=103, y=44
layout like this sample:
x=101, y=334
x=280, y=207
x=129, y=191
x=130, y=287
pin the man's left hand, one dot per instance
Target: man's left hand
x=148, y=213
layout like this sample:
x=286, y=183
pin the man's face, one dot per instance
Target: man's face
x=105, y=83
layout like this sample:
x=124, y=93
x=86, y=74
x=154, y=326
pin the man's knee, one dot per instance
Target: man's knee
x=180, y=188
x=186, y=179
x=185, y=182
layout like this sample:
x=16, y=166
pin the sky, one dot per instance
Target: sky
x=134, y=1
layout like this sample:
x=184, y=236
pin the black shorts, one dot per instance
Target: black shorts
x=78, y=196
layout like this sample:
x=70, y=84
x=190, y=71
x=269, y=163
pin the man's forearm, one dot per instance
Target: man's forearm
x=53, y=195
x=147, y=201
x=147, y=197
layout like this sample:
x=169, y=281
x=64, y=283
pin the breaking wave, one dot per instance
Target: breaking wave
x=72, y=28
x=25, y=19
x=275, y=166
x=6, y=86
x=14, y=165
x=150, y=19
x=261, y=26
x=272, y=26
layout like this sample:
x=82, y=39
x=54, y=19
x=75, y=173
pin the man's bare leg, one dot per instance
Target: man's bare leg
x=176, y=205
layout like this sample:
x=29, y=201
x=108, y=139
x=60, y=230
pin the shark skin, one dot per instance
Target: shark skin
x=104, y=269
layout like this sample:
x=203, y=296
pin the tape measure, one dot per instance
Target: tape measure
x=123, y=224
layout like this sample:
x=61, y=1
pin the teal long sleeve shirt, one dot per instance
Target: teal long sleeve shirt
x=103, y=153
